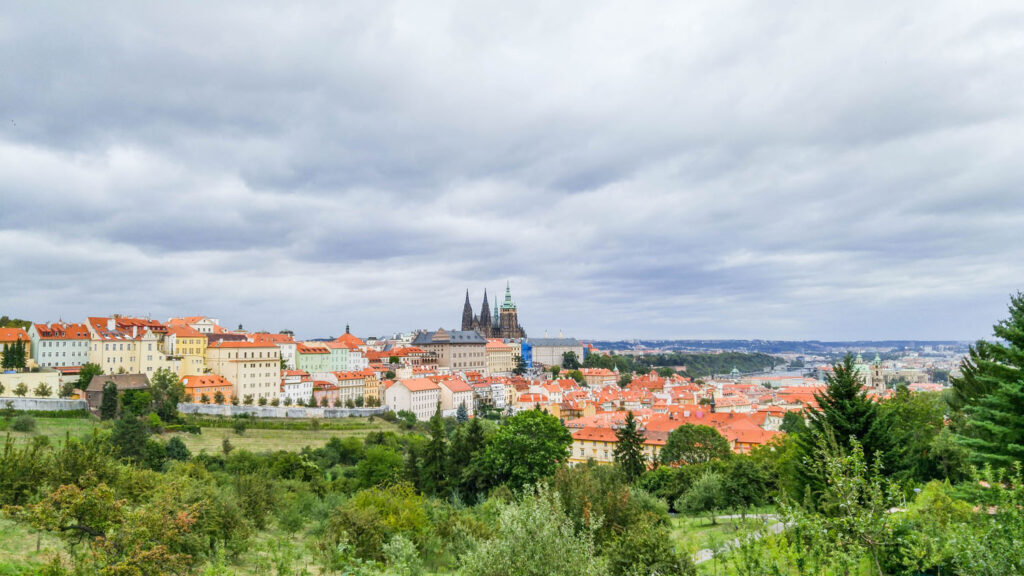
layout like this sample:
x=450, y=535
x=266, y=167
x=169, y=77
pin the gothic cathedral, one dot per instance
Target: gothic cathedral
x=503, y=324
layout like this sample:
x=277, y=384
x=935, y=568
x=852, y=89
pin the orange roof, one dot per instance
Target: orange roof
x=595, y=434
x=354, y=375
x=418, y=384
x=204, y=381
x=240, y=344
x=184, y=332
x=350, y=340
x=272, y=338
x=456, y=385
x=304, y=348
x=58, y=331
x=12, y=334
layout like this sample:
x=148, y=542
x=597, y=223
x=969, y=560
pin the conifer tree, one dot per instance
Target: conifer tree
x=467, y=442
x=19, y=354
x=844, y=412
x=629, y=450
x=991, y=389
x=462, y=414
x=108, y=405
x=434, y=468
x=6, y=360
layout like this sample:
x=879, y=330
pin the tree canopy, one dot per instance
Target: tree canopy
x=991, y=391
x=527, y=447
x=694, y=444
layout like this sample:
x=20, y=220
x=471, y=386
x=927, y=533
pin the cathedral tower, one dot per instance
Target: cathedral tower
x=510, y=327
x=485, y=317
x=467, y=314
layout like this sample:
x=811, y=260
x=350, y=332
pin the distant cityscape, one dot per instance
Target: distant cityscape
x=489, y=365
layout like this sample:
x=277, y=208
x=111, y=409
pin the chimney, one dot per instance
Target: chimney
x=135, y=331
x=111, y=324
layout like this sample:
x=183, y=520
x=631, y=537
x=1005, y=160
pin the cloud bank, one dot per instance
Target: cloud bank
x=712, y=169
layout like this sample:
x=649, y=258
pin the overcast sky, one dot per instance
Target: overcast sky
x=660, y=169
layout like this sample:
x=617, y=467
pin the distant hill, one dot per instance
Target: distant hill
x=776, y=346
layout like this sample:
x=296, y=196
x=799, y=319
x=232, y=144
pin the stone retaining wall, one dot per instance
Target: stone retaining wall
x=42, y=404
x=277, y=411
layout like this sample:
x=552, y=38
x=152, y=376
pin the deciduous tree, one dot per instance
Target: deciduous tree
x=694, y=444
x=527, y=447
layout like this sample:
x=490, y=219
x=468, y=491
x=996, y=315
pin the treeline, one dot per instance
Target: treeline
x=697, y=365
x=8, y=322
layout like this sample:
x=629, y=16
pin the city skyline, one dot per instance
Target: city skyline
x=676, y=172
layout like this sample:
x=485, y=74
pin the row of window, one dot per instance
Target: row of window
x=57, y=354
x=62, y=344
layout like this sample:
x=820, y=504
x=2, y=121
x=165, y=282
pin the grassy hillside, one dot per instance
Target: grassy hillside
x=307, y=432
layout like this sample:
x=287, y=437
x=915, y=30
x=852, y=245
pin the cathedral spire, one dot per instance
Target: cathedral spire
x=485, y=317
x=467, y=314
x=508, y=303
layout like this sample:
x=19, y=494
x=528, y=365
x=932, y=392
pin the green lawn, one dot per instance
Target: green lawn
x=693, y=533
x=256, y=440
x=18, y=553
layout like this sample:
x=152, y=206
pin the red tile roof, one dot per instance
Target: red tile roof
x=240, y=344
x=58, y=331
x=272, y=338
x=13, y=334
x=418, y=384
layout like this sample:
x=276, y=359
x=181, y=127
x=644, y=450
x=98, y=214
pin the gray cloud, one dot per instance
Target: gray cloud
x=700, y=170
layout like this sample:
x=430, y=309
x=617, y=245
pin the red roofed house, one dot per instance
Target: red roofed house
x=254, y=369
x=209, y=384
x=125, y=344
x=599, y=377
x=455, y=392
x=284, y=342
x=58, y=344
x=417, y=395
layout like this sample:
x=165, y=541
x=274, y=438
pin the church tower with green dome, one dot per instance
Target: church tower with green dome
x=509, y=317
x=503, y=324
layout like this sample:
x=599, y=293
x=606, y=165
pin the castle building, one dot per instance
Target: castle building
x=504, y=323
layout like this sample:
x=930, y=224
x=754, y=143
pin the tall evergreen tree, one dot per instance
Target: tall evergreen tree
x=6, y=361
x=108, y=405
x=434, y=468
x=462, y=414
x=844, y=412
x=991, y=390
x=467, y=442
x=19, y=355
x=629, y=450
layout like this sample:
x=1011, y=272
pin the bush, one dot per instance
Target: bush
x=24, y=423
x=534, y=536
x=371, y=518
x=647, y=549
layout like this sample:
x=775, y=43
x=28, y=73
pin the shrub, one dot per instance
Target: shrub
x=371, y=518
x=24, y=423
x=534, y=536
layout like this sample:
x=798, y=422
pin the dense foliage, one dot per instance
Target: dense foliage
x=697, y=365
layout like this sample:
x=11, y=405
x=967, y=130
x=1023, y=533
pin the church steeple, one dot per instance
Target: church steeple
x=467, y=314
x=485, y=317
x=496, y=323
x=508, y=304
